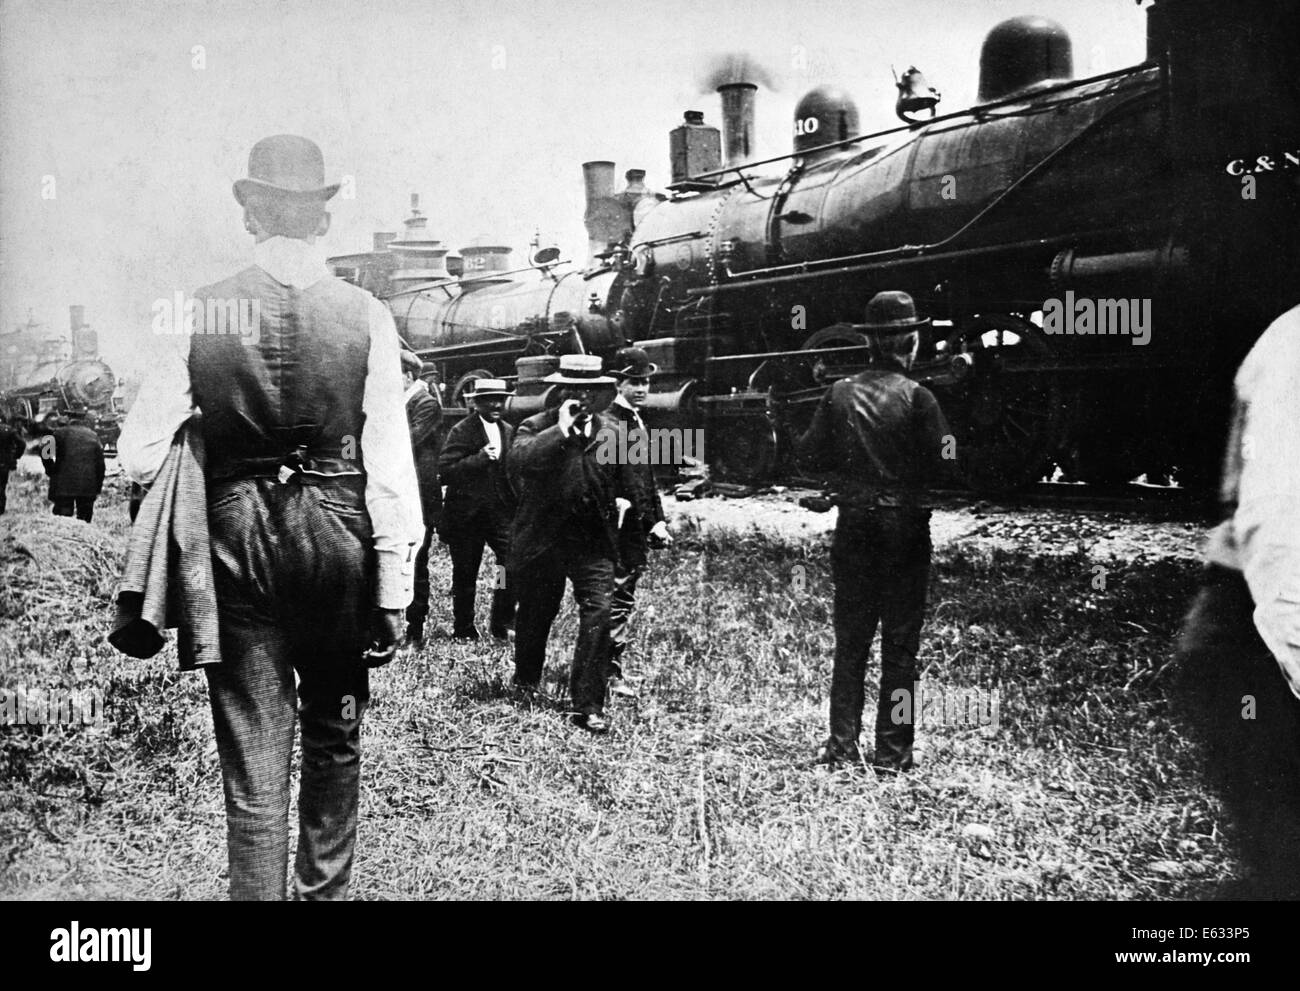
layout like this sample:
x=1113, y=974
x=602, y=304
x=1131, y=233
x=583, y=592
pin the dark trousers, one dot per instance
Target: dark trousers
x=4, y=486
x=291, y=565
x=540, y=585
x=466, y=548
x=621, y=601
x=418, y=610
x=84, y=506
x=880, y=564
x=1235, y=700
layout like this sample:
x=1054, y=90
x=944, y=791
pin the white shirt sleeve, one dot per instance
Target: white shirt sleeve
x=392, y=491
x=164, y=403
x=1266, y=525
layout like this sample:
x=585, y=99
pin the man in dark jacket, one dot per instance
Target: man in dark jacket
x=423, y=416
x=570, y=504
x=11, y=449
x=632, y=368
x=885, y=437
x=74, y=459
x=479, y=507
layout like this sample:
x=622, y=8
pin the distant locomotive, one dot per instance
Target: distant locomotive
x=44, y=377
x=1167, y=189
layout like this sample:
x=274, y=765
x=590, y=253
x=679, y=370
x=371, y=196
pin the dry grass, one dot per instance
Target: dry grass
x=702, y=791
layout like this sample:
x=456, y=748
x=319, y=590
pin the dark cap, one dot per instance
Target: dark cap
x=286, y=164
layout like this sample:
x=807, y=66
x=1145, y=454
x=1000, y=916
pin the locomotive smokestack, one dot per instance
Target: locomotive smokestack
x=382, y=238
x=737, y=122
x=605, y=218
x=78, y=315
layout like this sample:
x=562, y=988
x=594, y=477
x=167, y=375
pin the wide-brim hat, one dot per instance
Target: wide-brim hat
x=632, y=363
x=893, y=313
x=580, y=369
x=288, y=165
x=488, y=387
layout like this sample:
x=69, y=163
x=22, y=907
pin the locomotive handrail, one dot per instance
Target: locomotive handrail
x=802, y=269
x=487, y=277
x=979, y=110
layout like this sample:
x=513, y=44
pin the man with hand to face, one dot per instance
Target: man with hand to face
x=479, y=507
x=567, y=529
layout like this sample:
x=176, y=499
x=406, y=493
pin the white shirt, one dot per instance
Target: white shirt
x=1262, y=538
x=493, y=431
x=166, y=401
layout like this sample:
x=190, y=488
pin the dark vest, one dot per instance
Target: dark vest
x=296, y=391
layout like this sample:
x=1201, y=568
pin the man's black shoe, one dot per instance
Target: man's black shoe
x=833, y=753
x=592, y=722
x=471, y=633
x=500, y=632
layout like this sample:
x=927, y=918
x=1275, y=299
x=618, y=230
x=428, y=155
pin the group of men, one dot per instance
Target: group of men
x=317, y=539
x=551, y=510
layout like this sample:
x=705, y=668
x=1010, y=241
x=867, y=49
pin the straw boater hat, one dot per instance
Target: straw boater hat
x=892, y=313
x=579, y=369
x=488, y=387
x=632, y=363
x=288, y=165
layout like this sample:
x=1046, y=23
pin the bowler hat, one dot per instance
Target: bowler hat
x=489, y=387
x=288, y=165
x=632, y=363
x=892, y=312
x=579, y=369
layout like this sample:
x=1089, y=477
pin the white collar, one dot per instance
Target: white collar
x=488, y=425
x=620, y=401
x=290, y=261
x=415, y=387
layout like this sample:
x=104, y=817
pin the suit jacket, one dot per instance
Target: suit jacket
x=424, y=415
x=478, y=488
x=633, y=537
x=565, y=488
x=167, y=578
x=11, y=447
x=77, y=469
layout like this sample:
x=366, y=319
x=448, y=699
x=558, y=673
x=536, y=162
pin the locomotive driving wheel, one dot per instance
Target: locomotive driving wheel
x=1007, y=425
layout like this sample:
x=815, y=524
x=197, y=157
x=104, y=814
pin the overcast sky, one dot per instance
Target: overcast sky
x=143, y=113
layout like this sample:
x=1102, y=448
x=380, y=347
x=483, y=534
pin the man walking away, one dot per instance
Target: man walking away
x=479, y=509
x=313, y=514
x=74, y=459
x=883, y=435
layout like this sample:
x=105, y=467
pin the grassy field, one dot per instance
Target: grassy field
x=703, y=790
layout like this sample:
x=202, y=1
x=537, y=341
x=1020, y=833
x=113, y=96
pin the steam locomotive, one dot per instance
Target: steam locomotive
x=1168, y=188
x=43, y=378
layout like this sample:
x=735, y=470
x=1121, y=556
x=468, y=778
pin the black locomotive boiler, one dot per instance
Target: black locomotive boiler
x=1165, y=195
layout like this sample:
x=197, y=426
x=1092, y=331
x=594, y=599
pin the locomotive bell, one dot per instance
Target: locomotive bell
x=914, y=94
